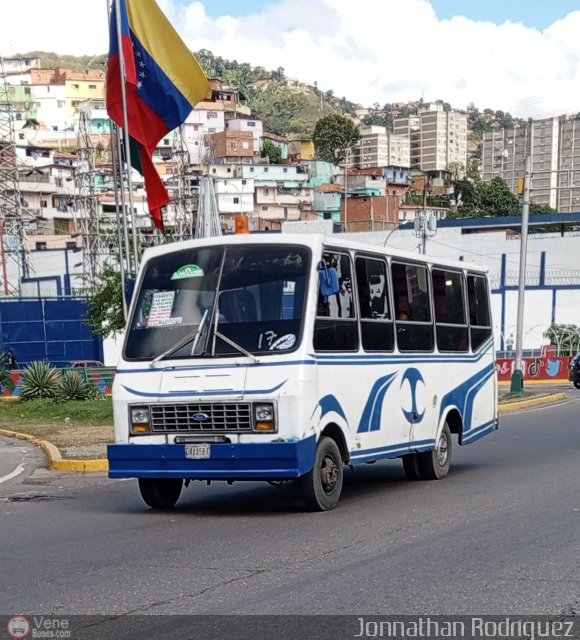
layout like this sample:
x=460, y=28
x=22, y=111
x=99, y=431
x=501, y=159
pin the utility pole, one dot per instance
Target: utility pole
x=425, y=226
x=345, y=190
x=517, y=382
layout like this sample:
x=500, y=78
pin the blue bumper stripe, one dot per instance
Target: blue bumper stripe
x=267, y=461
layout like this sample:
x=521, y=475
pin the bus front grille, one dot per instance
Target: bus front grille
x=195, y=418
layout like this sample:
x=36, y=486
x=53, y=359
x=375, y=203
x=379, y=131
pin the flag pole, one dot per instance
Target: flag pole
x=126, y=133
x=121, y=231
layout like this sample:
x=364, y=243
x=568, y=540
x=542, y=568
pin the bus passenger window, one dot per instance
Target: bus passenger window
x=449, y=304
x=479, y=311
x=412, y=307
x=376, y=322
x=336, y=327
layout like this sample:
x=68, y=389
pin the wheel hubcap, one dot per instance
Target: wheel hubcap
x=328, y=474
x=442, y=450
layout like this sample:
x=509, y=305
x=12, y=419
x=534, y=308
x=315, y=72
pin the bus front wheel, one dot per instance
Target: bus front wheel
x=160, y=493
x=434, y=465
x=321, y=487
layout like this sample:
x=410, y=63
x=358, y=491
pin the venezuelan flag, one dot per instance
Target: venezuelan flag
x=163, y=82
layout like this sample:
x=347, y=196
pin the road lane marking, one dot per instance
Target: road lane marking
x=19, y=469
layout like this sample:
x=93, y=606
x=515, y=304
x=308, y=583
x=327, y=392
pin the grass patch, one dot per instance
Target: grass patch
x=85, y=412
x=515, y=397
x=76, y=423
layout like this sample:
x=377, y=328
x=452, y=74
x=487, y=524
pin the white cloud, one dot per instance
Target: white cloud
x=369, y=50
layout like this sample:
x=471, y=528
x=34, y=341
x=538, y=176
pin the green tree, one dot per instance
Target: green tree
x=498, y=200
x=566, y=337
x=380, y=119
x=273, y=152
x=333, y=135
x=467, y=197
x=105, y=315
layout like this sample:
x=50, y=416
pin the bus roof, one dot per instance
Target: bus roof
x=313, y=240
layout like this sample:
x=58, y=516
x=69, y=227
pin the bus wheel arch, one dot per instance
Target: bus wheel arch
x=332, y=430
x=454, y=421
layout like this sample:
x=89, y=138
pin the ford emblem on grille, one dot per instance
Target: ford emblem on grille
x=200, y=417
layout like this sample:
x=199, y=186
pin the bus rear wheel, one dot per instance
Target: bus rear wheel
x=160, y=493
x=434, y=465
x=321, y=487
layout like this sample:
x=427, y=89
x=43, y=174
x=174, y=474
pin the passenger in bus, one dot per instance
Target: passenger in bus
x=402, y=330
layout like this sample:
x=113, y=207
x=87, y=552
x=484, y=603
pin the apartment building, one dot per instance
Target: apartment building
x=234, y=196
x=569, y=165
x=248, y=125
x=206, y=118
x=379, y=148
x=281, y=193
x=550, y=143
x=437, y=138
x=230, y=147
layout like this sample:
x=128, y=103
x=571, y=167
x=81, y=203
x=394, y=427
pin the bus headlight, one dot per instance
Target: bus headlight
x=140, y=420
x=265, y=417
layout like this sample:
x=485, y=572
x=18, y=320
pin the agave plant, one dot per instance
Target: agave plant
x=39, y=380
x=73, y=386
x=4, y=373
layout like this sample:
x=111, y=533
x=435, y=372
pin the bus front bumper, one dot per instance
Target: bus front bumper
x=265, y=461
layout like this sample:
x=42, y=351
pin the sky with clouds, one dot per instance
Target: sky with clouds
x=497, y=54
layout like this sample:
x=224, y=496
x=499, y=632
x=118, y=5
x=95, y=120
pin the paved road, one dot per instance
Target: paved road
x=18, y=460
x=500, y=535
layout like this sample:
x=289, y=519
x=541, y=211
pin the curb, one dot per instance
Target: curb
x=55, y=460
x=540, y=383
x=510, y=407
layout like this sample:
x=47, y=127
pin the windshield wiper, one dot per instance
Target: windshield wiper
x=235, y=346
x=181, y=343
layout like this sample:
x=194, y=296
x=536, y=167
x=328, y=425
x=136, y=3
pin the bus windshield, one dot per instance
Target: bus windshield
x=252, y=295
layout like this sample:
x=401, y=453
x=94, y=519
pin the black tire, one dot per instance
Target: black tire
x=321, y=487
x=577, y=384
x=411, y=466
x=434, y=465
x=160, y=493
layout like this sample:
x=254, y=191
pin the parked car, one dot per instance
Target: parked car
x=574, y=373
x=86, y=364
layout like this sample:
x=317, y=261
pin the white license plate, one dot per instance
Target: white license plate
x=198, y=451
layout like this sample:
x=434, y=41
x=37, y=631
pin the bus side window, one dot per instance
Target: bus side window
x=449, y=304
x=335, y=328
x=479, y=311
x=412, y=307
x=376, y=321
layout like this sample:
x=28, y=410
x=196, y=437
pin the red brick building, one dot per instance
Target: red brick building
x=369, y=213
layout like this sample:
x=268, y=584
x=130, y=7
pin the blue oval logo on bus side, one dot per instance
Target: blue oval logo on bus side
x=200, y=417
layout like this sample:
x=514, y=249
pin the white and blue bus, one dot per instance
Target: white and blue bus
x=286, y=357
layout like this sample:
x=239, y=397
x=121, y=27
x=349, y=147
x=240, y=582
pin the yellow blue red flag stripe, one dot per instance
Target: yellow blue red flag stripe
x=163, y=81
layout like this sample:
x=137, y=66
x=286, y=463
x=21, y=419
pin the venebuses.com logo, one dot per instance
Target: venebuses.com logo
x=18, y=627
x=35, y=627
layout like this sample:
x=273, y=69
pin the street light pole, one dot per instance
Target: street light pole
x=517, y=382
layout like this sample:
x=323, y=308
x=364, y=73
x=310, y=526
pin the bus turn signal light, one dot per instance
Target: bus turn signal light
x=266, y=426
x=242, y=224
